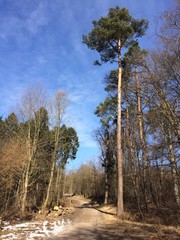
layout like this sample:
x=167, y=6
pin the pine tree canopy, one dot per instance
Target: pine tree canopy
x=108, y=30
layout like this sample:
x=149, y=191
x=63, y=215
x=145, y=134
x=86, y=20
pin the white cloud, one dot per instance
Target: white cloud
x=10, y=26
x=15, y=26
x=80, y=116
x=84, y=127
x=37, y=18
x=41, y=60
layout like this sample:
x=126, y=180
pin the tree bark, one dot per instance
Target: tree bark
x=106, y=194
x=120, y=204
x=174, y=171
x=57, y=192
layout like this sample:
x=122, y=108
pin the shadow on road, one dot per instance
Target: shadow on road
x=109, y=213
x=100, y=234
x=89, y=205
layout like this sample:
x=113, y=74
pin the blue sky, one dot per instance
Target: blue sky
x=41, y=41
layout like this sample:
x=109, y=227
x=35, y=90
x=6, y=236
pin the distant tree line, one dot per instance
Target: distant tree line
x=87, y=181
x=35, y=145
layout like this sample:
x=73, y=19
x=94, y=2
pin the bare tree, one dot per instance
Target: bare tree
x=58, y=106
x=33, y=99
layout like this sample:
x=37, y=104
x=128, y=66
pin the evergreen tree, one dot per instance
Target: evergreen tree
x=109, y=35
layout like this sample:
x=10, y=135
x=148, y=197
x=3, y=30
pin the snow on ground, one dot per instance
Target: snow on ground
x=33, y=230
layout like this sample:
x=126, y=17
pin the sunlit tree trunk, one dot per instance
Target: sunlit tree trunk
x=30, y=111
x=25, y=184
x=120, y=204
x=32, y=144
x=57, y=108
x=106, y=193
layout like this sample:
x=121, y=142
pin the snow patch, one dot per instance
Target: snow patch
x=33, y=230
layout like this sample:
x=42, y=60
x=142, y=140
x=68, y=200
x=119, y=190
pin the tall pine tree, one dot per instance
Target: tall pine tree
x=109, y=35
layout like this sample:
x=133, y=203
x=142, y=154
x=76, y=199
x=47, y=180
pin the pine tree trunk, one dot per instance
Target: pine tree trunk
x=120, y=204
x=107, y=159
x=106, y=185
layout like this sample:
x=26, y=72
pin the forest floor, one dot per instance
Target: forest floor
x=87, y=221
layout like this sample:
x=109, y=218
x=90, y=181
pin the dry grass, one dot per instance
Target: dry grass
x=132, y=229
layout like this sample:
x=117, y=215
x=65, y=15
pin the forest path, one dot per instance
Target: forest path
x=87, y=224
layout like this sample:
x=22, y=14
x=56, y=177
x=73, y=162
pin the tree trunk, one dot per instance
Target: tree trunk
x=27, y=171
x=64, y=179
x=17, y=195
x=57, y=133
x=25, y=188
x=58, y=180
x=174, y=171
x=142, y=141
x=120, y=204
x=106, y=184
x=32, y=145
x=133, y=159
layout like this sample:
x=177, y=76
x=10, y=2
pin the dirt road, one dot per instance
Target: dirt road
x=87, y=224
